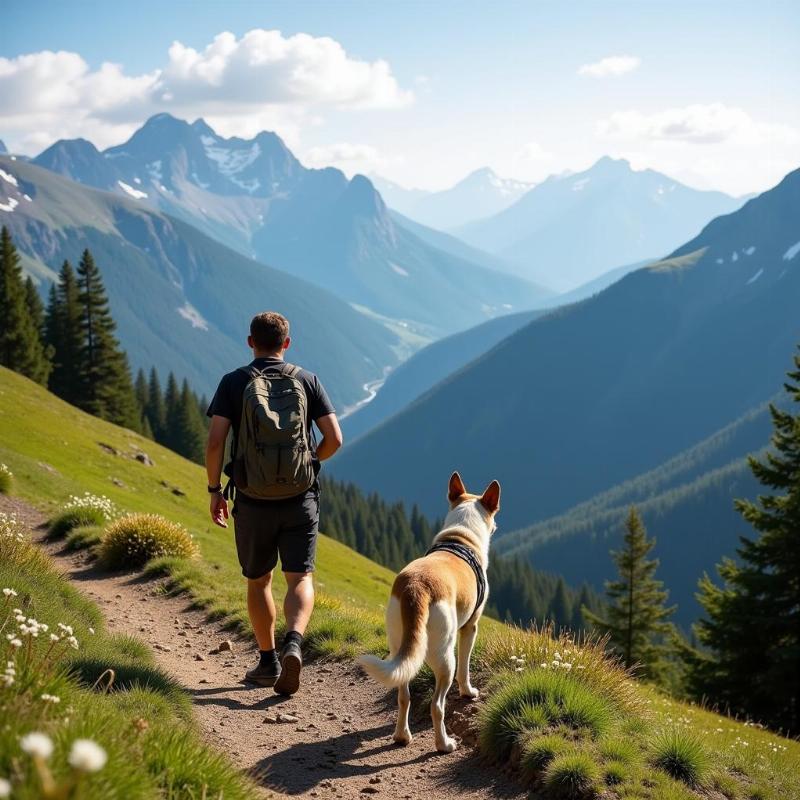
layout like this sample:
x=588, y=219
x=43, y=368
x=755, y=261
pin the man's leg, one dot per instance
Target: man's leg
x=261, y=608
x=299, y=601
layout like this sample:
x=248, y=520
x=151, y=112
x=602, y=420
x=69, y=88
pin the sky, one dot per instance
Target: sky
x=422, y=93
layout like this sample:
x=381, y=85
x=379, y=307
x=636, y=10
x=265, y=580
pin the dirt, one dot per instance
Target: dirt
x=337, y=739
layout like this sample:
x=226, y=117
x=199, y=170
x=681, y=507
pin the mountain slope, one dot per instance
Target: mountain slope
x=182, y=300
x=570, y=229
x=254, y=196
x=480, y=194
x=605, y=389
x=429, y=366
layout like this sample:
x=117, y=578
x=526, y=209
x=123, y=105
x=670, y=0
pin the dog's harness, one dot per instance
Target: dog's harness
x=466, y=554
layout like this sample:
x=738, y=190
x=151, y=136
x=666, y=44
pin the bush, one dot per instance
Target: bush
x=562, y=700
x=681, y=755
x=573, y=775
x=615, y=773
x=6, y=479
x=80, y=511
x=84, y=537
x=539, y=751
x=132, y=540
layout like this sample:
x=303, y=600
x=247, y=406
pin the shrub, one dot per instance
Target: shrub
x=681, y=755
x=89, y=509
x=539, y=751
x=132, y=540
x=6, y=479
x=561, y=698
x=615, y=773
x=84, y=537
x=573, y=775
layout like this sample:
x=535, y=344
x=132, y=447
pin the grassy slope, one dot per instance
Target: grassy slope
x=39, y=433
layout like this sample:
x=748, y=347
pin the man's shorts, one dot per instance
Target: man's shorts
x=269, y=528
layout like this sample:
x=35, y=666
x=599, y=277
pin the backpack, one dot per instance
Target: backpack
x=272, y=458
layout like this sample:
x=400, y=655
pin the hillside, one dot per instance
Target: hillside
x=686, y=504
x=570, y=229
x=480, y=194
x=620, y=724
x=256, y=197
x=600, y=391
x=165, y=280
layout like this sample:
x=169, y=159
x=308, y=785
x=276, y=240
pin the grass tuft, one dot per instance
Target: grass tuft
x=6, y=480
x=73, y=518
x=682, y=755
x=615, y=772
x=85, y=537
x=539, y=751
x=572, y=776
x=132, y=540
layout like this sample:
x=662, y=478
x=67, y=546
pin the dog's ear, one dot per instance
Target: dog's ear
x=456, y=488
x=491, y=497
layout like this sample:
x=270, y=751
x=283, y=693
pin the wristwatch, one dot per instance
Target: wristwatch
x=215, y=489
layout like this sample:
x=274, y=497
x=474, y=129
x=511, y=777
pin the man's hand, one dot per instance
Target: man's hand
x=219, y=510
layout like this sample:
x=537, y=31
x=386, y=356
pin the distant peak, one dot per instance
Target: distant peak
x=363, y=197
x=3, y=148
x=202, y=127
x=606, y=162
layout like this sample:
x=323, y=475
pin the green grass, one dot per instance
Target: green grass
x=572, y=775
x=86, y=537
x=63, y=523
x=6, y=480
x=134, y=539
x=682, y=755
x=108, y=690
x=594, y=707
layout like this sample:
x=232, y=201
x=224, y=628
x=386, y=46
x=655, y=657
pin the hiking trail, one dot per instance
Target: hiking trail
x=337, y=742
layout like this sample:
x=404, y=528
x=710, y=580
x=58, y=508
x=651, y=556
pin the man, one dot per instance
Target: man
x=276, y=506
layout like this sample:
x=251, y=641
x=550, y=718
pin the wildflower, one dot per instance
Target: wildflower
x=557, y=656
x=5, y=788
x=543, y=665
x=67, y=629
x=51, y=698
x=9, y=592
x=7, y=680
x=38, y=745
x=87, y=756
x=19, y=617
x=72, y=642
x=91, y=630
x=15, y=642
x=54, y=637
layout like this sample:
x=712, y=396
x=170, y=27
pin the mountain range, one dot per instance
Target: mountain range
x=597, y=392
x=254, y=196
x=480, y=194
x=181, y=299
x=572, y=228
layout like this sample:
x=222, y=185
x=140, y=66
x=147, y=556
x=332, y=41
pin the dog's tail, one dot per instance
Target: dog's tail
x=407, y=661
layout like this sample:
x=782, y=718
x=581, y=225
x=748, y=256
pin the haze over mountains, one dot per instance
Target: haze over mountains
x=480, y=194
x=181, y=299
x=572, y=228
x=256, y=197
x=597, y=392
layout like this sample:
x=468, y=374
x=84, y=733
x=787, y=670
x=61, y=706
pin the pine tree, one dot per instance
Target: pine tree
x=189, y=430
x=106, y=378
x=21, y=346
x=584, y=601
x=636, y=618
x=155, y=410
x=752, y=622
x=560, y=610
x=36, y=311
x=172, y=399
x=63, y=333
x=142, y=396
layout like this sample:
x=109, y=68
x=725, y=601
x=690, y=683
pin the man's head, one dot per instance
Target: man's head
x=269, y=334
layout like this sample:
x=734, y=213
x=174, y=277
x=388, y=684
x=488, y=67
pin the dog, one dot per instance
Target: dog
x=434, y=600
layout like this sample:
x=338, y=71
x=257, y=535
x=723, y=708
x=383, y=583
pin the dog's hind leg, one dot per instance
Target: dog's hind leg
x=441, y=638
x=402, y=733
x=466, y=641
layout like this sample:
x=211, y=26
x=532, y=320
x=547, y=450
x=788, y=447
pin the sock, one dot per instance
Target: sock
x=293, y=636
x=268, y=657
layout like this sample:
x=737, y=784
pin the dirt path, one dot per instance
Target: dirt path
x=340, y=744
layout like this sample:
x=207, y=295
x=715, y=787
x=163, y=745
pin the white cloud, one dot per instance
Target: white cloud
x=712, y=123
x=261, y=76
x=533, y=151
x=610, y=66
x=350, y=158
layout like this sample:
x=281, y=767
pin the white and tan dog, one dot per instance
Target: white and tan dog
x=433, y=599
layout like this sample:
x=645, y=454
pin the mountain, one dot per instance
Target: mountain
x=481, y=194
x=572, y=228
x=3, y=148
x=602, y=390
x=254, y=196
x=181, y=299
x=686, y=503
x=427, y=367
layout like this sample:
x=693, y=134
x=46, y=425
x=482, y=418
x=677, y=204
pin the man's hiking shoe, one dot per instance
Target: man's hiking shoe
x=263, y=676
x=291, y=663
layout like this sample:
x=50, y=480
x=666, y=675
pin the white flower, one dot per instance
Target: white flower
x=19, y=618
x=91, y=630
x=73, y=642
x=15, y=642
x=37, y=744
x=87, y=756
x=51, y=698
x=9, y=592
x=7, y=680
x=5, y=788
x=54, y=637
x=66, y=628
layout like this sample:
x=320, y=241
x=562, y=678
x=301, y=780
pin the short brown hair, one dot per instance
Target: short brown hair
x=269, y=330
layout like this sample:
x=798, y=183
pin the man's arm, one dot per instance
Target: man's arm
x=215, y=453
x=331, y=436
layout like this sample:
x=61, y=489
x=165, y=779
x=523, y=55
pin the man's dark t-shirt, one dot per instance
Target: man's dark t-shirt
x=227, y=402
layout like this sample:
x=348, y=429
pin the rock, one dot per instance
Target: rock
x=162, y=647
x=376, y=779
x=284, y=717
x=199, y=657
x=225, y=645
x=182, y=633
x=143, y=458
x=270, y=719
x=370, y=790
x=203, y=680
x=107, y=448
x=117, y=482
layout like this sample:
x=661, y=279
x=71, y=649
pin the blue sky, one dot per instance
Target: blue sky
x=422, y=93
